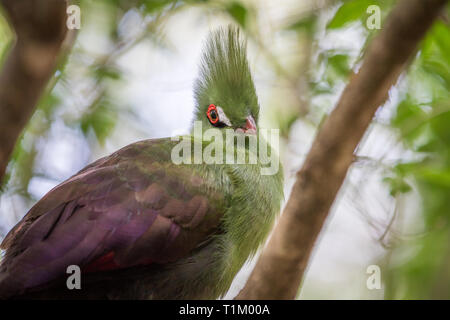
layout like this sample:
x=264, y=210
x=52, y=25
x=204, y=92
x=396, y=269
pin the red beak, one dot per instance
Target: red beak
x=250, y=126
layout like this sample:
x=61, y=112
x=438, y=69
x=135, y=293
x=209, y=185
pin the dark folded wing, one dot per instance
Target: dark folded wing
x=134, y=207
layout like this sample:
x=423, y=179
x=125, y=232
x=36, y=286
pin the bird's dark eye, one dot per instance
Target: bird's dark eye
x=212, y=114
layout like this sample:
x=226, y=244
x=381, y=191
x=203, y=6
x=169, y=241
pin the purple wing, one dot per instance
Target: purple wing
x=132, y=208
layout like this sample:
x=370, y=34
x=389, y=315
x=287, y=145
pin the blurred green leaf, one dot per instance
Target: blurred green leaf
x=435, y=176
x=285, y=122
x=397, y=185
x=306, y=24
x=102, y=119
x=238, y=12
x=436, y=52
x=340, y=64
x=349, y=11
x=407, y=111
x=423, y=117
x=6, y=38
x=440, y=125
x=150, y=6
x=336, y=68
x=49, y=103
x=440, y=35
x=106, y=71
x=354, y=10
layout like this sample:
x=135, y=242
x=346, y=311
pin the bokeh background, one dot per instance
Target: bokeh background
x=130, y=77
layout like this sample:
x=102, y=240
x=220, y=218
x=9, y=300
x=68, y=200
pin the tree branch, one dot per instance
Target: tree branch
x=280, y=268
x=40, y=27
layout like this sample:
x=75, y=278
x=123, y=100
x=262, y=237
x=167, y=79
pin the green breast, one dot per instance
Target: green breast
x=254, y=204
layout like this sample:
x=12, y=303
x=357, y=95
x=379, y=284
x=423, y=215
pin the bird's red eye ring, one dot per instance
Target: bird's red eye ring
x=212, y=114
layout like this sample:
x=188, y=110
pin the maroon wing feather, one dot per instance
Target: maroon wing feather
x=132, y=208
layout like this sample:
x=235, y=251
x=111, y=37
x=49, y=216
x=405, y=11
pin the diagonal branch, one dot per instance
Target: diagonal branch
x=279, y=270
x=40, y=27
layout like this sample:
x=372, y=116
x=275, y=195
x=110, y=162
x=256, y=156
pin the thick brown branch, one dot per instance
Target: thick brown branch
x=40, y=27
x=279, y=270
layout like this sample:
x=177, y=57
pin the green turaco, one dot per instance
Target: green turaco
x=139, y=225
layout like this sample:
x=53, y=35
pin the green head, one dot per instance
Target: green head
x=224, y=91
